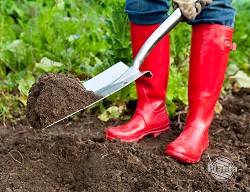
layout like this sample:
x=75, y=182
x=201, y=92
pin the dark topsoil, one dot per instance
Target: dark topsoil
x=55, y=96
x=74, y=156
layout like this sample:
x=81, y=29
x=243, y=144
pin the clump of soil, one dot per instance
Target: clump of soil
x=55, y=96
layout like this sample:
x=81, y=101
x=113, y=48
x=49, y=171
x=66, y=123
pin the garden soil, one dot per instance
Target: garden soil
x=55, y=96
x=74, y=156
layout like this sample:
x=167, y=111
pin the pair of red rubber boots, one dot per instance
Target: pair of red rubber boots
x=210, y=48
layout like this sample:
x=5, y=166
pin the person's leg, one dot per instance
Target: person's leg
x=150, y=116
x=210, y=47
x=147, y=12
x=219, y=12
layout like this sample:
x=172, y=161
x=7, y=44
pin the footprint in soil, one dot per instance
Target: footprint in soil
x=54, y=96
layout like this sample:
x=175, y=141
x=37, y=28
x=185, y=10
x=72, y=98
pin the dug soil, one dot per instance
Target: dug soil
x=55, y=96
x=74, y=156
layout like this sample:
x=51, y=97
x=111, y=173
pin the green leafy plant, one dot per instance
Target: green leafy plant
x=241, y=57
x=238, y=72
x=47, y=36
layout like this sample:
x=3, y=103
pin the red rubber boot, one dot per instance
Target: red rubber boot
x=211, y=44
x=150, y=116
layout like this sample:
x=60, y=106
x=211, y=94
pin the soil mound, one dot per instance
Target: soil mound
x=54, y=96
x=73, y=156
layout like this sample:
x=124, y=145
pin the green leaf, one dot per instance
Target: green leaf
x=242, y=79
x=48, y=65
x=60, y=5
x=25, y=84
x=232, y=69
x=171, y=107
x=23, y=99
x=111, y=113
x=16, y=46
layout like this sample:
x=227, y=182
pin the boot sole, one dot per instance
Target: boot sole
x=184, y=158
x=136, y=138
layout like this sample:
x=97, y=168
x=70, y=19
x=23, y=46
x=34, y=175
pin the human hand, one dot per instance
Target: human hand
x=189, y=9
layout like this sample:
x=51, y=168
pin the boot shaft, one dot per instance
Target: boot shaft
x=210, y=48
x=151, y=90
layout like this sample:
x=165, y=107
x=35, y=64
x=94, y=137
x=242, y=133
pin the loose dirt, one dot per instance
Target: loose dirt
x=74, y=156
x=54, y=96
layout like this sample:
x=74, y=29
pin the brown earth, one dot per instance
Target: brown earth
x=74, y=156
x=55, y=96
